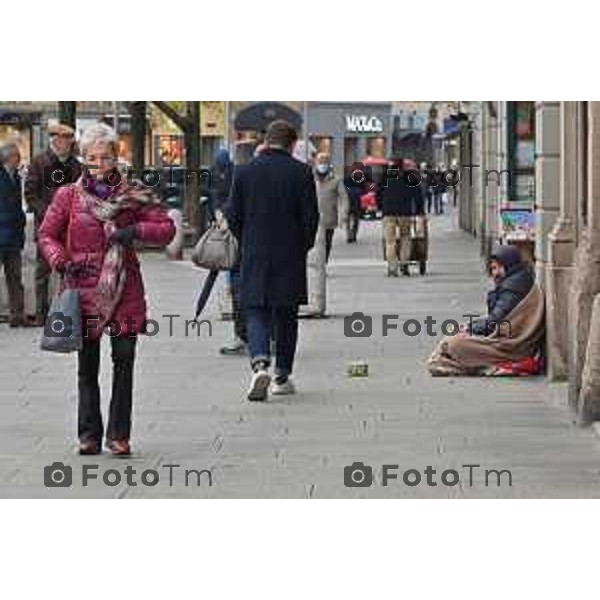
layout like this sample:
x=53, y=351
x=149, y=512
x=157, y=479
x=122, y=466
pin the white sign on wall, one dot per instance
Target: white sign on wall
x=363, y=124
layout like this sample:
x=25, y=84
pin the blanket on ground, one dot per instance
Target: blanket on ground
x=472, y=355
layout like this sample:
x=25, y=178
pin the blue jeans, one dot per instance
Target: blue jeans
x=283, y=322
x=438, y=204
x=239, y=320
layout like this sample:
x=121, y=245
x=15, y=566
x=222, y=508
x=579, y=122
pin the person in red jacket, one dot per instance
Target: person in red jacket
x=87, y=235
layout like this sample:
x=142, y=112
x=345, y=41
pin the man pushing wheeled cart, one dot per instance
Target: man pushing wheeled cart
x=405, y=238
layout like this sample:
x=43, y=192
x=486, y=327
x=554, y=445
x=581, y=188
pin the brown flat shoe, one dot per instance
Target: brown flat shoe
x=38, y=321
x=20, y=321
x=119, y=447
x=89, y=447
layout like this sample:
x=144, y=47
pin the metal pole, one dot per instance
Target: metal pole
x=116, y=116
x=228, y=125
x=305, y=119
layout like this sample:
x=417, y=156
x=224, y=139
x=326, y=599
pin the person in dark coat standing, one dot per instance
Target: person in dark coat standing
x=401, y=201
x=439, y=190
x=221, y=178
x=354, y=194
x=12, y=231
x=48, y=171
x=273, y=211
x=220, y=186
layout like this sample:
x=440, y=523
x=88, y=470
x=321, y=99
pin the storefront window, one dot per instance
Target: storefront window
x=517, y=215
x=170, y=149
x=351, y=147
x=19, y=134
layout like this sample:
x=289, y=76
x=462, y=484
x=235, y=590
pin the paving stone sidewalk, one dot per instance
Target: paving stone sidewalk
x=190, y=411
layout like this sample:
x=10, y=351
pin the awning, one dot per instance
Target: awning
x=20, y=116
x=408, y=139
x=257, y=117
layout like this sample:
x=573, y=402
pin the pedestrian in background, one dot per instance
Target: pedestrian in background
x=12, y=231
x=56, y=167
x=221, y=177
x=354, y=193
x=400, y=203
x=87, y=235
x=239, y=343
x=439, y=191
x=456, y=173
x=333, y=211
x=273, y=211
x=427, y=182
x=333, y=200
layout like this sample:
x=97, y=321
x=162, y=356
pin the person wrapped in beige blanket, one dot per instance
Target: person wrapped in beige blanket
x=509, y=340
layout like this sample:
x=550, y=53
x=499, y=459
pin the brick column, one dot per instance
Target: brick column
x=547, y=179
x=490, y=182
x=561, y=246
x=586, y=279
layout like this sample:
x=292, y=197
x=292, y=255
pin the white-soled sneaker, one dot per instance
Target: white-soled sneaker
x=283, y=389
x=259, y=386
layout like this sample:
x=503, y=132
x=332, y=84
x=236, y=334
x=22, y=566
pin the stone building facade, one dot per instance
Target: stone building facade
x=567, y=229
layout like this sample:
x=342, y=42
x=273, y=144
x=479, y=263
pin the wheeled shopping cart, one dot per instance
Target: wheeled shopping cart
x=419, y=250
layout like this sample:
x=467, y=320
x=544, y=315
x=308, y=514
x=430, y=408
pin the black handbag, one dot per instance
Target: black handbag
x=62, y=329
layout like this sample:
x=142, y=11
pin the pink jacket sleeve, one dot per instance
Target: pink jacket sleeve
x=53, y=230
x=154, y=226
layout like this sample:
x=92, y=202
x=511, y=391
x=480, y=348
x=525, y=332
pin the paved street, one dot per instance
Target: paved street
x=189, y=407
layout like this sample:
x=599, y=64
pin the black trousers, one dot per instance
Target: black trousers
x=89, y=415
x=12, y=263
x=352, y=228
x=429, y=198
x=239, y=320
x=328, y=243
x=42, y=280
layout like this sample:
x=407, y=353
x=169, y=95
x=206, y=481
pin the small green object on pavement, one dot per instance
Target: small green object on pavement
x=358, y=368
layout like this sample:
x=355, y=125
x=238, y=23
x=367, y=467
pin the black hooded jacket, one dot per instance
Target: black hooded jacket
x=509, y=291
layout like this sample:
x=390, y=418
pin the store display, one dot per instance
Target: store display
x=517, y=224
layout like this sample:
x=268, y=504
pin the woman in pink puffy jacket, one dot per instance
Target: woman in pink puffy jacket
x=87, y=235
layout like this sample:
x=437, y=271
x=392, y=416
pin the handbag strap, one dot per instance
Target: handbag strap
x=68, y=247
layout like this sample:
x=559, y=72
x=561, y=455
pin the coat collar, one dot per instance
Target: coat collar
x=275, y=150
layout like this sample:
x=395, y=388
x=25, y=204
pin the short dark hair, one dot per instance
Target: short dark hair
x=281, y=133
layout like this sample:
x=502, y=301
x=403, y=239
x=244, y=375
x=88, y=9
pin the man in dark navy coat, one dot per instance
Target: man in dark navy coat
x=12, y=230
x=273, y=212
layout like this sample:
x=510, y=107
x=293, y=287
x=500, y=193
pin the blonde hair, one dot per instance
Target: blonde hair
x=98, y=133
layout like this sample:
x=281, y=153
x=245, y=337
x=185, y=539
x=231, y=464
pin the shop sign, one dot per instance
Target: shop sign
x=363, y=124
x=212, y=118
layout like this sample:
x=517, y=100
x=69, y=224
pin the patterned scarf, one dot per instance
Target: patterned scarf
x=106, y=208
